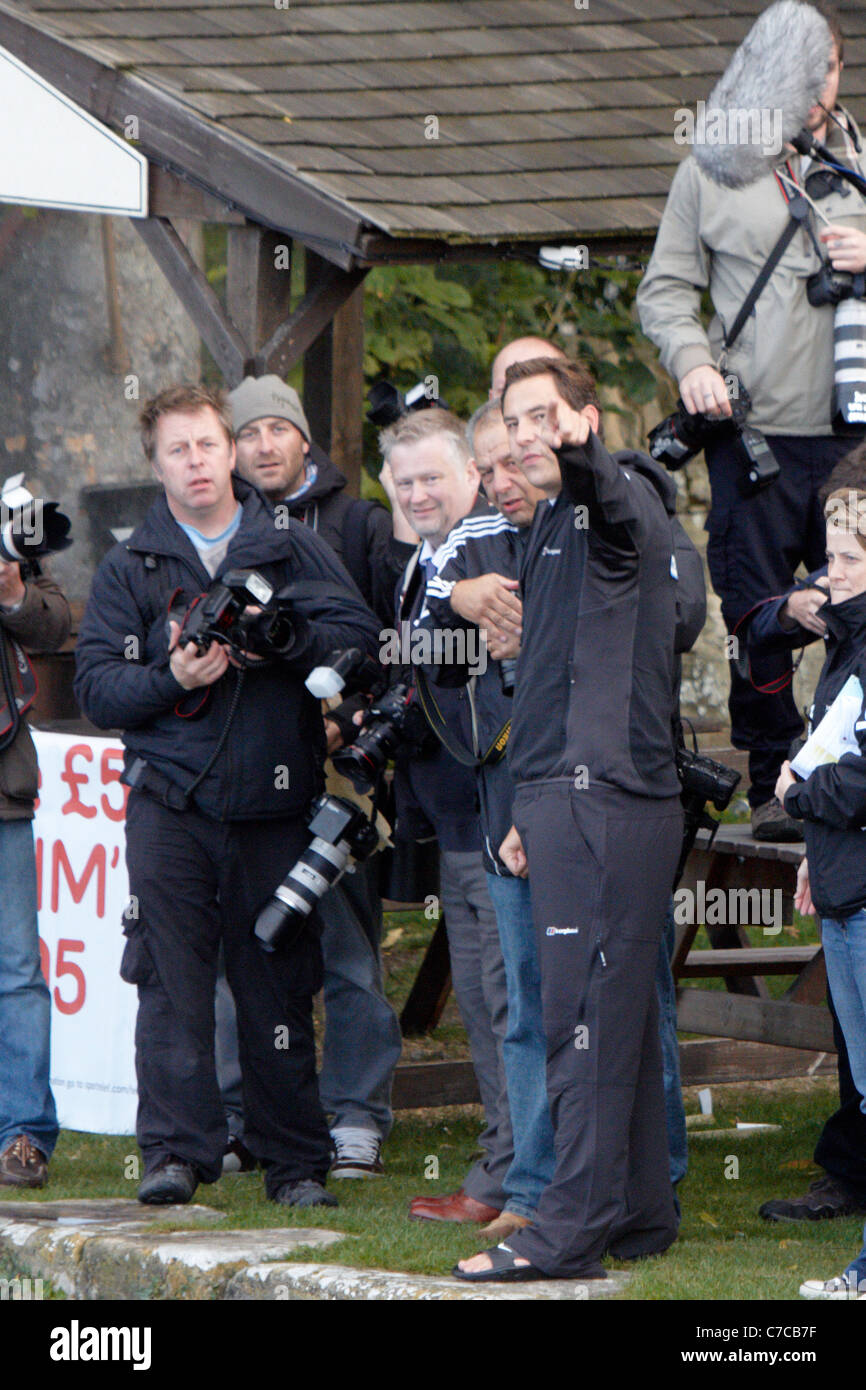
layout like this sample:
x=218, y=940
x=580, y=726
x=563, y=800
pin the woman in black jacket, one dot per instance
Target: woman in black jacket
x=832, y=804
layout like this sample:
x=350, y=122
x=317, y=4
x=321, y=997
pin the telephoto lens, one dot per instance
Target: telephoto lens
x=340, y=829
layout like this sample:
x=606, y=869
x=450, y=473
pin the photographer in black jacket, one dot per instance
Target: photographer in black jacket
x=223, y=755
x=362, y=1043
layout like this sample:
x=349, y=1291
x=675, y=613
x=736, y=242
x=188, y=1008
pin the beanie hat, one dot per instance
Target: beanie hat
x=258, y=397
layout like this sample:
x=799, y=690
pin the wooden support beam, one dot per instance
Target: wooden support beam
x=319, y=357
x=810, y=986
x=291, y=340
x=752, y=960
x=716, y=1061
x=754, y=1020
x=259, y=281
x=429, y=994
x=347, y=403
x=227, y=345
x=703, y=1062
x=423, y=1084
x=169, y=195
x=375, y=248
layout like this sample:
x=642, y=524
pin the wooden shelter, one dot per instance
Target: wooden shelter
x=381, y=132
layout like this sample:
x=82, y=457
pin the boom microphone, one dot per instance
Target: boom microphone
x=762, y=100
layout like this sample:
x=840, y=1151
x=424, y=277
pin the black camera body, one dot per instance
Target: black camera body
x=676, y=440
x=340, y=829
x=829, y=286
x=219, y=615
x=387, y=404
x=703, y=779
x=393, y=719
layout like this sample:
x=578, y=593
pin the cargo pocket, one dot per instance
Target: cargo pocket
x=136, y=965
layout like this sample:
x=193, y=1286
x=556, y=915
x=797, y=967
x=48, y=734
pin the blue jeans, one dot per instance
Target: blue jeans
x=674, y=1109
x=363, y=1041
x=524, y=1048
x=844, y=944
x=26, y=1102
x=845, y=953
x=857, y=1268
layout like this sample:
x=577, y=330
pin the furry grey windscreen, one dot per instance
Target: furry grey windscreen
x=781, y=65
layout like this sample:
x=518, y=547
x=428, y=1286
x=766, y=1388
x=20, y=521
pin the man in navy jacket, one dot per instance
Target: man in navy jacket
x=222, y=760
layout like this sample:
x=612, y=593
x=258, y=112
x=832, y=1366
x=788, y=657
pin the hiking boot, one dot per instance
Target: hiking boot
x=305, y=1193
x=357, y=1153
x=22, y=1164
x=825, y=1199
x=171, y=1182
x=770, y=821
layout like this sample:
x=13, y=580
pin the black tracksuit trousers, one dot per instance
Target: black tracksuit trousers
x=195, y=882
x=601, y=865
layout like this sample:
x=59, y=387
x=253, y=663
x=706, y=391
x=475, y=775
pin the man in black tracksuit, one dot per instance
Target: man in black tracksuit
x=598, y=810
x=222, y=763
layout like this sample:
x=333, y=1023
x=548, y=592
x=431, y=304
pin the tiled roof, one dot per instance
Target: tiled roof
x=553, y=121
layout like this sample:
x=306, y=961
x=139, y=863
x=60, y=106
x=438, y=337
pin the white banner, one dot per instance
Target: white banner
x=82, y=890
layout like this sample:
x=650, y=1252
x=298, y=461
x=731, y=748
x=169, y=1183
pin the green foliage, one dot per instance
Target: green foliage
x=450, y=321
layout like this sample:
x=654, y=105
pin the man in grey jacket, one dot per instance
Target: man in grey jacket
x=719, y=239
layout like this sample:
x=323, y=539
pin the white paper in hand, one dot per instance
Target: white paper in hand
x=835, y=735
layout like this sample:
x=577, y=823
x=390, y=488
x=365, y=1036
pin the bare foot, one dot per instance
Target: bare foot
x=476, y=1264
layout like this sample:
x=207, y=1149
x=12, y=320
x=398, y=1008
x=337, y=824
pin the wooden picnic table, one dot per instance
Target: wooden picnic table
x=743, y=1013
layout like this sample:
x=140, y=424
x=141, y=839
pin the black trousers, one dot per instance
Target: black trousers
x=198, y=882
x=601, y=865
x=841, y=1148
x=754, y=547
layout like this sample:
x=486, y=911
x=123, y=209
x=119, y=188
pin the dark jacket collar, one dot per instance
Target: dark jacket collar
x=160, y=534
x=847, y=620
x=328, y=482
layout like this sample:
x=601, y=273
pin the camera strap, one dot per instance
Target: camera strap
x=19, y=689
x=495, y=753
x=798, y=210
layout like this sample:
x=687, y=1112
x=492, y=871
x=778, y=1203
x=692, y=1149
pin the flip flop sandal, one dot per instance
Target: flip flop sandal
x=505, y=1270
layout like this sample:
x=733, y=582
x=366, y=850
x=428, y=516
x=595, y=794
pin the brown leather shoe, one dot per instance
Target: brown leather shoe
x=504, y=1226
x=457, y=1206
x=22, y=1164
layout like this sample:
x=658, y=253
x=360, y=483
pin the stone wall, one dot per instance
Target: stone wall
x=67, y=417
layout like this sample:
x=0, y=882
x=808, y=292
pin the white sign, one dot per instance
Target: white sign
x=82, y=890
x=55, y=155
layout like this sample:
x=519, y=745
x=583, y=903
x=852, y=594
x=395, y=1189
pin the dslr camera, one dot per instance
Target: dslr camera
x=220, y=615
x=395, y=717
x=676, y=440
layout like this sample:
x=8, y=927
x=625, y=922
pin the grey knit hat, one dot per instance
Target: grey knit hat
x=258, y=397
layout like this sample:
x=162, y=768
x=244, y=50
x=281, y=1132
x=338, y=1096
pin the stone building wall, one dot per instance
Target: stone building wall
x=67, y=418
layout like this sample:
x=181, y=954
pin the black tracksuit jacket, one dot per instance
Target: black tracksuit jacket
x=597, y=671
x=485, y=544
x=123, y=679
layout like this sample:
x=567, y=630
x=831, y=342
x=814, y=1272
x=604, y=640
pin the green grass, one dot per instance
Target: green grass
x=725, y=1250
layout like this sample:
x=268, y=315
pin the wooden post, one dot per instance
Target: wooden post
x=318, y=364
x=347, y=405
x=259, y=281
